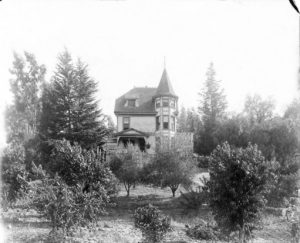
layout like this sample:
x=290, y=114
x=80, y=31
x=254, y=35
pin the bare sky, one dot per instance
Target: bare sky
x=253, y=44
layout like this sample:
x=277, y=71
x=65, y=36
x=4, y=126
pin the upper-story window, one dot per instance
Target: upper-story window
x=165, y=122
x=165, y=102
x=131, y=103
x=158, y=103
x=126, y=123
x=172, y=103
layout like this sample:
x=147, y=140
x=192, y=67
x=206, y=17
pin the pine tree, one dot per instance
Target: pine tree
x=70, y=110
x=213, y=101
x=212, y=109
x=88, y=127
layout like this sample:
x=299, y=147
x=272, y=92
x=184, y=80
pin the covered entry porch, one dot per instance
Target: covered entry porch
x=134, y=137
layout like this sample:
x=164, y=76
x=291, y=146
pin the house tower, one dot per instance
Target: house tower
x=166, y=106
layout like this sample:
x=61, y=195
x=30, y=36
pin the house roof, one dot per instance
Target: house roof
x=144, y=98
x=165, y=87
x=131, y=132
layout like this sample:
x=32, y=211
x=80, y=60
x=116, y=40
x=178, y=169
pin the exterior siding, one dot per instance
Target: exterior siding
x=141, y=123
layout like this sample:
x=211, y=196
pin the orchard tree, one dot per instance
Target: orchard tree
x=127, y=165
x=212, y=110
x=238, y=182
x=170, y=168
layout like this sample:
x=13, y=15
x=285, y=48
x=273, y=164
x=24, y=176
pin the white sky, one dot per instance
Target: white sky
x=253, y=44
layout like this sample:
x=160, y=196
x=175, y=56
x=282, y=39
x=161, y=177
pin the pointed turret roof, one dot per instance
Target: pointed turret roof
x=165, y=87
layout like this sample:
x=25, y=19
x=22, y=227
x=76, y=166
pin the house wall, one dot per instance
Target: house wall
x=141, y=123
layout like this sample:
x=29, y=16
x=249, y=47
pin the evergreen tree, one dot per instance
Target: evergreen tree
x=70, y=110
x=212, y=110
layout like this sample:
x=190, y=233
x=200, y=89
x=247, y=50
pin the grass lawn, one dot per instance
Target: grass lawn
x=27, y=226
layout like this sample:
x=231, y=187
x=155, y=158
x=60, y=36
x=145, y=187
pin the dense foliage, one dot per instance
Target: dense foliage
x=78, y=166
x=238, y=183
x=153, y=224
x=204, y=231
x=12, y=169
x=68, y=207
x=70, y=109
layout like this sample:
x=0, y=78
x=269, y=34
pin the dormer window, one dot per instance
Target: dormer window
x=131, y=103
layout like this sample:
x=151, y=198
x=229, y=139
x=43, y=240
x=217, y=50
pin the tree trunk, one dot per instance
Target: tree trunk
x=241, y=235
x=127, y=189
x=173, y=189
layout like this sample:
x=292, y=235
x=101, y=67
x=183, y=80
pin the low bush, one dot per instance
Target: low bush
x=203, y=231
x=153, y=224
x=193, y=200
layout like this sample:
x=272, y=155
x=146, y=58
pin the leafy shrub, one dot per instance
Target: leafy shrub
x=12, y=169
x=284, y=184
x=78, y=166
x=74, y=197
x=203, y=231
x=68, y=206
x=238, y=182
x=152, y=223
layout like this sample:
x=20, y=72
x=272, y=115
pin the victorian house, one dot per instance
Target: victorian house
x=147, y=116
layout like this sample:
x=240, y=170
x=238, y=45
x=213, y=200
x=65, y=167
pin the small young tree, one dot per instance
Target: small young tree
x=170, y=169
x=127, y=165
x=238, y=181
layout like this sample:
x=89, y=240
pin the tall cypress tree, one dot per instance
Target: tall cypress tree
x=212, y=110
x=70, y=110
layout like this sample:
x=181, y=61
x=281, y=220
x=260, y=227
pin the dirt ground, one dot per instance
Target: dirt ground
x=21, y=225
